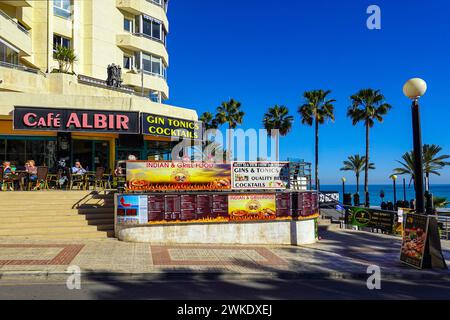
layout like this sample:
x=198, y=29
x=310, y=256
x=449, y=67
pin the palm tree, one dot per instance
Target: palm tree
x=440, y=202
x=66, y=58
x=316, y=110
x=208, y=120
x=277, y=118
x=367, y=106
x=356, y=164
x=230, y=112
x=432, y=163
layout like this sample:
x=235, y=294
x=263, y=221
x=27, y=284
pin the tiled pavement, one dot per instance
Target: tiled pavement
x=337, y=254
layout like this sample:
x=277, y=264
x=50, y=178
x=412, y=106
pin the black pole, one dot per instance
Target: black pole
x=418, y=159
x=343, y=188
x=404, y=189
x=395, y=191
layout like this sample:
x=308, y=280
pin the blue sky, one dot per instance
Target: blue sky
x=264, y=52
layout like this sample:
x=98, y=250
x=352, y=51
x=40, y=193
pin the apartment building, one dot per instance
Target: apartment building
x=130, y=34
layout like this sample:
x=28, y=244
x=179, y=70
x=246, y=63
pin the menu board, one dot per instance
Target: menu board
x=414, y=240
x=172, y=206
x=219, y=206
x=188, y=203
x=283, y=204
x=156, y=207
x=260, y=175
x=203, y=206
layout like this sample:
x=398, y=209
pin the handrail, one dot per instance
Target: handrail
x=22, y=68
x=102, y=83
x=139, y=34
x=5, y=15
x=152, y=74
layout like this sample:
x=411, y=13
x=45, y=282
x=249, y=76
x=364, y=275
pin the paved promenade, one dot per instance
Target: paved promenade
x=339, y=254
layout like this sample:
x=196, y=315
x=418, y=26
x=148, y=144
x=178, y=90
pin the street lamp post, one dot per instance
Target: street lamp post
x=394, y=181
x=432, y=256
x=414, y=89
x=404, y=189
x=343, y=186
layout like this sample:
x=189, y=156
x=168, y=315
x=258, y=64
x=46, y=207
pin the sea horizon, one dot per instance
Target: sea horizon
x=438, y=190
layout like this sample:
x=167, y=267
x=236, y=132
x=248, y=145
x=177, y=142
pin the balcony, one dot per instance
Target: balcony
x=17, y=3
x=140, y=42
x=14, y=33
x=146, y=7
x=151, y=82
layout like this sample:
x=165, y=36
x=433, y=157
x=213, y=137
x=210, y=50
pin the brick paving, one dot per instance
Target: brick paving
x=338, y=252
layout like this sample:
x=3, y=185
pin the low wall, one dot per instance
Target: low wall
x=289, y=232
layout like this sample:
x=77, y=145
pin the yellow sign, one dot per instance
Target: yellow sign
x=173, y=176
x=252, y=207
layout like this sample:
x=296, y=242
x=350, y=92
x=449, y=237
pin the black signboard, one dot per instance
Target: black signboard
x=371, y=218
x=75, y=120
x=414, y=240
x=162, y=126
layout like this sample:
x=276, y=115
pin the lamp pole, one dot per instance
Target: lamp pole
x=343, y=186
x=394, y=181
x=414, y=89
x=404, y=189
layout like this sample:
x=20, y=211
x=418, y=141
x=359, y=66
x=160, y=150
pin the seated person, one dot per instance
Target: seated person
x=7, y=169
x=31, y=168
x=78, y=169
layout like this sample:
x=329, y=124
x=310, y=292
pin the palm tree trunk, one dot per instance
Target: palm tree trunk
x=277, y=150
x=357, y=183
x=229, y=144
x=317, y=154
x=427, y=176
x=366, y=169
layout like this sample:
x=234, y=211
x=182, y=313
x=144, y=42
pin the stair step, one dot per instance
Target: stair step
x=47, y=231
x=67, y=236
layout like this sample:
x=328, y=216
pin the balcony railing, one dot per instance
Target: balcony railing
x=21, y=68
x=2, y=13
x=102, y=84
x=160, y=3
x=137, y=34
x=153, y=74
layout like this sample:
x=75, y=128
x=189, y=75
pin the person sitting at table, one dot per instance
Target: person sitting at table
x=7, y=169
x=78, y=169
x=31, y=168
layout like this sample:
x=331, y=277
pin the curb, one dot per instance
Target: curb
x=209, y=276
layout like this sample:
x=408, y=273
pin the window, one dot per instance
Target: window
x=153, y=65
x=19, y=150
x=128, y=62
x=128, y=25
x=8, y=55
x=62, y=8
x=153, y=28
x=60, y=41
x=155, y=96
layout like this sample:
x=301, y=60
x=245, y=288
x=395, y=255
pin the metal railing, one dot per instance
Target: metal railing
x=444, y=221
x=21, y=68
x=144, y=35
x=102, y=83
x=5, y=15
x=162, y=3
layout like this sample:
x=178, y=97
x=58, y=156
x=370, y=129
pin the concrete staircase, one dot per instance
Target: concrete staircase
x=57, y=214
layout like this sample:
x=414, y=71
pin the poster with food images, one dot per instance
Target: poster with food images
x=177, y=176
x=414, y=240
x=245, y=207
x=260, y=175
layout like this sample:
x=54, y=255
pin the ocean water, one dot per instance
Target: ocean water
x=442, y=190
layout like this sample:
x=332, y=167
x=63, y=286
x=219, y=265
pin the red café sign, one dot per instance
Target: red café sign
x=75, y=120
